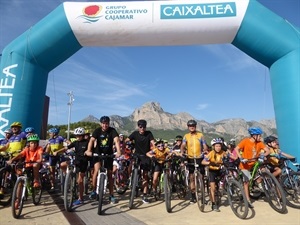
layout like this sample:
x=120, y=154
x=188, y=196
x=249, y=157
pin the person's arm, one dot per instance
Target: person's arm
x=117, y=144
x=89, y=151
x=182, y=148
x=63, y=149
x=150, y=154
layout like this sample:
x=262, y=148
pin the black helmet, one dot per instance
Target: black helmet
x=191, y=123
x=142, y=123
x=270, y=139
x=104, y=119
x=178, y=138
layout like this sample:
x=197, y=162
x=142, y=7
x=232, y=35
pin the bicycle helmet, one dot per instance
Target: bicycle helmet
x=33, y=137
x=79, y=131
x=8, y=131
x=270, y=139
x=178, y=138
x=29, y=130
x=53, y=130
x=142, y=123
x=16, y=124
x=104, y=119
x=191, y=123
x=216, y=141
x=255, y=131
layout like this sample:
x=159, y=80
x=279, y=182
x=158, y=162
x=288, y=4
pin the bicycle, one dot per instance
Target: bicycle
x=234, y=189
x=7, y=181
x=290, y=182
x=70, y=185
x=270, y=185
x=23, y=188
x=135, y=178
x=199, y=185
x=179, y=177
x=121, y=177
x=101, y=179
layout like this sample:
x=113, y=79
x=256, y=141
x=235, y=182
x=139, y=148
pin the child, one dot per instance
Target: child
x=159, y=154
x=214, y=161
x=32, y=153
x=81, y=161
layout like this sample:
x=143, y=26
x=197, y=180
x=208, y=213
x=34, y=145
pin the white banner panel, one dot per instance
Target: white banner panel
x=155, y=22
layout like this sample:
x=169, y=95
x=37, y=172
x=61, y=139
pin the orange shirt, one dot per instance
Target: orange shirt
x=250, y=150
x=32, y=155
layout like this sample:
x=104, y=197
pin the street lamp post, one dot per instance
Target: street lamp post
x=71, y=100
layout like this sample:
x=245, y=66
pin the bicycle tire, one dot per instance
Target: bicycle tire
x=134, y=180
x=37, y=194
x=8, y=190
x=291, y=188
x=101, y=193
x=69, y=190
x=199, y=191
x=120, y=182
x=274, y=192
x=237, y=198
x=167, y=191
x=16, y=211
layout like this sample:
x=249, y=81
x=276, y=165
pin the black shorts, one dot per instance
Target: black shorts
x=158, y=167
x=81, y=165
x=191, y=167
x=213, y=174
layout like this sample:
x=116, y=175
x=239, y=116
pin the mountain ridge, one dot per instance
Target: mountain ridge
x=158, y=119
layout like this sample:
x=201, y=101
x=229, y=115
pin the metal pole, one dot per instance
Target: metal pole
x=71, y=100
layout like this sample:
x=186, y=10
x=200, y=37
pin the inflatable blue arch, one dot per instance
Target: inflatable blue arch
x=248, y=25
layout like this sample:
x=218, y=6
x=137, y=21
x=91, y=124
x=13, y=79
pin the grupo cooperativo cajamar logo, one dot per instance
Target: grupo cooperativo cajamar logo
x=91, y=13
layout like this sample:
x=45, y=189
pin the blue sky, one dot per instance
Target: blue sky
x=211, y=82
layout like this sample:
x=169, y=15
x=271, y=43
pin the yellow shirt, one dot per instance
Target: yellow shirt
x=161, y=155
x=194, y=142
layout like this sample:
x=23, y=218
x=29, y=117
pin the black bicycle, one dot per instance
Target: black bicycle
x=8, y=179
x=70, y=185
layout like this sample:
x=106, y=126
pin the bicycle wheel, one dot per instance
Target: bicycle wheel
x=69, y=191
x=101, y=193
x=17, y=202
x=237, y=198
x=167, y=190
x=291, y=188
x=37, y=194
x=120, y=182
x=199, y=191
x=8, y=187
x=274, y=192
x=134, y=180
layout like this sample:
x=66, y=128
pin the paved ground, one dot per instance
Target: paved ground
x=51, y=212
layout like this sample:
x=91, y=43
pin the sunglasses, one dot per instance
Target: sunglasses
x=160, y=146
x=142, y=126
x=191, y=125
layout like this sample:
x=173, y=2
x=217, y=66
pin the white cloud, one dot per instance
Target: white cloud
x=202, y=106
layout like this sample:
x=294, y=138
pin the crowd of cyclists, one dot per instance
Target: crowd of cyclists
x=152, y=152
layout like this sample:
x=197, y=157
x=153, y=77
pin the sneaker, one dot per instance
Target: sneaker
x=93, y=195
x=112, y=199
x=78, y=202
x=250, y=205
x=215, y=208
x=145, y=199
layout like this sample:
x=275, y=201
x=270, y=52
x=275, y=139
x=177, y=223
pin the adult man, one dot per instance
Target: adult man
x=144, y=141
x=106, y=137
x=18, y=140
x=193, y=145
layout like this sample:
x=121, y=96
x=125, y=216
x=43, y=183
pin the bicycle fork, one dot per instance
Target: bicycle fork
x=98, y=182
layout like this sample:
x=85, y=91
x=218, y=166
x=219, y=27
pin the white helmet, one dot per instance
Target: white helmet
x=216, y=141
x=79, y=131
